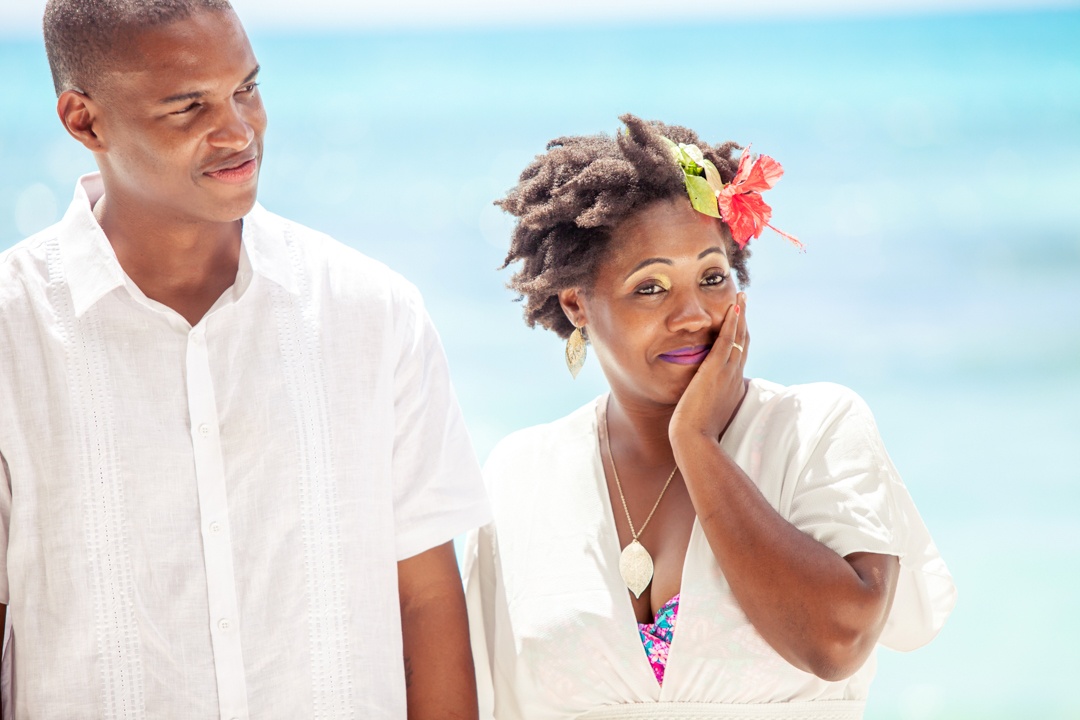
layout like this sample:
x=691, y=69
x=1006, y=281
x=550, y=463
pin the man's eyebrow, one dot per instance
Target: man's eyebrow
x=181, y=97
x=648, y=261
x=201, y=93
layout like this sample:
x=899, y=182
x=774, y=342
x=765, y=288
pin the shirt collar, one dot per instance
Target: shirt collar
x=92, y=270
x=266, y=243
x=90, y=265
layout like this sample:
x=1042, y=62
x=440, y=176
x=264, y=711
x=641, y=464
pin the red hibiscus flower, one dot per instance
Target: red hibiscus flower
x=740, y=201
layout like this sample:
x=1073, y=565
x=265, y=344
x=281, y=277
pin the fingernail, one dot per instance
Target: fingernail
x=737, y=311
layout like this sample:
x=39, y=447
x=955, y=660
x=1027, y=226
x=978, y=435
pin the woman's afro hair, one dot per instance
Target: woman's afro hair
x=568, y=200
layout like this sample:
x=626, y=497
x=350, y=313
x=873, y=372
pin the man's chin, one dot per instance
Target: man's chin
x=229, y=209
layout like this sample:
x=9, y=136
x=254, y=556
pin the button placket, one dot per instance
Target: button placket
x=217, y=544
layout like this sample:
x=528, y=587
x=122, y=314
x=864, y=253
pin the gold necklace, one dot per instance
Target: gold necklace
x=635, y=562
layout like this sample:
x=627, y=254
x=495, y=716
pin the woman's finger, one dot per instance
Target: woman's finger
x=744, y=335
x=739, y=330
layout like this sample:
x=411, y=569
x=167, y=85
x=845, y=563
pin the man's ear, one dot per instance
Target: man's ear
x=79, y=114
x=571, y=302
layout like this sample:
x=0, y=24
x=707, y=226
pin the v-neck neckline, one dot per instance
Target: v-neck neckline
x=628, y=622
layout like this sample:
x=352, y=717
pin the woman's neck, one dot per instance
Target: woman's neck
x=639, y=432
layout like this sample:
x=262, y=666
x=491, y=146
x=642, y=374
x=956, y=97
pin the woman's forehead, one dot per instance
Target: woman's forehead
x=669, y=229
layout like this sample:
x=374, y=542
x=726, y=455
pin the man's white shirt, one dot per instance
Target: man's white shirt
x=205, y=522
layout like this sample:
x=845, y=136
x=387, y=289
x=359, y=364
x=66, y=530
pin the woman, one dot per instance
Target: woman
x=693, y=544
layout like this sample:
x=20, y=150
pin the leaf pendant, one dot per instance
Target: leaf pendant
x=636, y=567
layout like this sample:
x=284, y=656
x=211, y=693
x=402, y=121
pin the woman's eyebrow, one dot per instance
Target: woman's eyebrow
x=664, y=261
x=649, y=261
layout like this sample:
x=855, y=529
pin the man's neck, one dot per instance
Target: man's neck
x=183, y=265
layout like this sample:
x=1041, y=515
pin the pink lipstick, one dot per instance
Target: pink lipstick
x=687, y=355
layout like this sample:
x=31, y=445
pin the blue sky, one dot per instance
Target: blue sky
x=23, y=17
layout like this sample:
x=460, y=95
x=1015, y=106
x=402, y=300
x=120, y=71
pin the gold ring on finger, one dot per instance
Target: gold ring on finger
x=737, y=346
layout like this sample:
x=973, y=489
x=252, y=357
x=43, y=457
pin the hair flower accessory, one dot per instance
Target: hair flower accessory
x=739, y=202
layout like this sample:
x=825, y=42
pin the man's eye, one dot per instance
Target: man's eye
x=249, y=88
x=188, y=109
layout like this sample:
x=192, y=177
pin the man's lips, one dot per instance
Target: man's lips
x=687, y=355
x=236, y=171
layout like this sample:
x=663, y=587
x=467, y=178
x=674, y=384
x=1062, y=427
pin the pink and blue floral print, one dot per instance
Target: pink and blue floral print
x=656, y=636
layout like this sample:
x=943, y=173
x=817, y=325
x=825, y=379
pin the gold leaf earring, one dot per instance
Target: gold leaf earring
x=575, y=351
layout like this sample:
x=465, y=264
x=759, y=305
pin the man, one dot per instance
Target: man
x=232, y=462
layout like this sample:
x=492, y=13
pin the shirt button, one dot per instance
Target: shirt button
x=196, y=338
x=215, y=527
x=204, y=429
x=224, y=625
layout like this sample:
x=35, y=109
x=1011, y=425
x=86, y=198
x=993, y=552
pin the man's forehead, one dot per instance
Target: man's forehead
x=186, y=40
x=208, y=47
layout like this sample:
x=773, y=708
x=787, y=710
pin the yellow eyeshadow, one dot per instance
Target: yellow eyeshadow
x=662, y=280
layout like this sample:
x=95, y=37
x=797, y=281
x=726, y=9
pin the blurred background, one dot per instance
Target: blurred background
x=932, y=152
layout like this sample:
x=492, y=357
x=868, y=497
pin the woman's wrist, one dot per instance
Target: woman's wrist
x=690, y=446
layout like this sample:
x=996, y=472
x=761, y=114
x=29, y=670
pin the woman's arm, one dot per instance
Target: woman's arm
x=823, y=613
x=439, y=678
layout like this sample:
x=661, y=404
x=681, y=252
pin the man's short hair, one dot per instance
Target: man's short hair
x=81, y=35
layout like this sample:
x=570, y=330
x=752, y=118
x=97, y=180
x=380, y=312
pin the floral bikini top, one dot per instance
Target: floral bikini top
x=656, y=636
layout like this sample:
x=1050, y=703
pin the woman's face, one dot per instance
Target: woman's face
x=657, y=301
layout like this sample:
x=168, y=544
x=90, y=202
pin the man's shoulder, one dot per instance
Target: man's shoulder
x=332, y=266
x=24, y=264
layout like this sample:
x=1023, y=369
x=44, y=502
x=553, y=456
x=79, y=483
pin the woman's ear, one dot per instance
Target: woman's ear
x=571, y=302
x=79, y=115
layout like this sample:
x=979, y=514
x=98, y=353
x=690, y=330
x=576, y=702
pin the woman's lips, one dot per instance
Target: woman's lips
x=240, y=174
x=687, y=356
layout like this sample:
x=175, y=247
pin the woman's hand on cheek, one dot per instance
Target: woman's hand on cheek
x=710, y=400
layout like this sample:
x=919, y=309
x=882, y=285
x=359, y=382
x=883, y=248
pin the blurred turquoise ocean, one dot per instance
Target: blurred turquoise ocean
x=933, y=170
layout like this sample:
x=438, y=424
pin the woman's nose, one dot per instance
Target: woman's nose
x=689, y=312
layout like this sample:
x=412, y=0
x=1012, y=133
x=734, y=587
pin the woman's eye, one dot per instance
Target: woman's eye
x=715, y=279
x=650, y=289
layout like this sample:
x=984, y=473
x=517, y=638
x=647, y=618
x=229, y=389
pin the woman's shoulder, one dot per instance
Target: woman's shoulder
x=815, y=402
x=542, y=454
x=539, y=441
x=819, y=393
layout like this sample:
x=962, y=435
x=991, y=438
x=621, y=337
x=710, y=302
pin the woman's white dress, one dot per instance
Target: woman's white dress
x=553, y=630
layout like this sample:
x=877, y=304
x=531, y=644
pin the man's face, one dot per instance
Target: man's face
x=181, y=121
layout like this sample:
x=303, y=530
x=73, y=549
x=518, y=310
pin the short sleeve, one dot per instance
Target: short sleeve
x=479, y=578
x=438, y=488
x=494, y=653
x=850, y=498
x=5, y=522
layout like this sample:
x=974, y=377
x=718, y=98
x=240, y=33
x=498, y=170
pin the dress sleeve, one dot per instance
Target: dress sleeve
x=495, y=653
x=849, y=496
x=5, y=522
x=478, y=573
x=438, y=489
